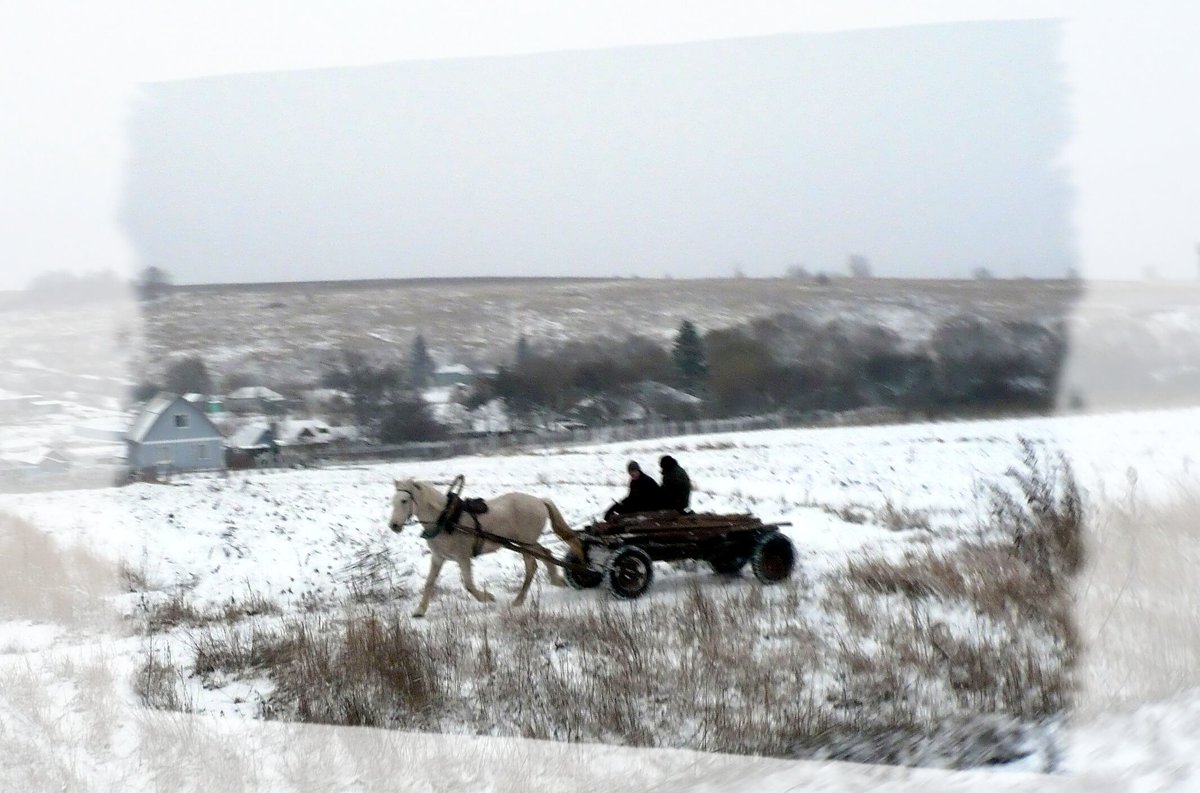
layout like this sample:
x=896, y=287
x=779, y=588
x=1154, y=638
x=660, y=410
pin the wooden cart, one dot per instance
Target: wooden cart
x=622, y=552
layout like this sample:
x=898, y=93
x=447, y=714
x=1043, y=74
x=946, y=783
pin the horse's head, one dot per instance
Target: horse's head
x=403, y=504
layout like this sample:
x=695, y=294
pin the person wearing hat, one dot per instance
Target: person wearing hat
x=676, y=490
x=643, y=494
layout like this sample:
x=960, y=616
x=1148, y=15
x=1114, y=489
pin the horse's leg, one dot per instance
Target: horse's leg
x=482, y=595
x=435, y=567
x=552, y=570
x=530, y=571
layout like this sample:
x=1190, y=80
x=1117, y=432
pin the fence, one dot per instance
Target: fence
x=493, y=444
x=104, y=476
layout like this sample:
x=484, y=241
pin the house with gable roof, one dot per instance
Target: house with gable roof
x=256, y=399
x=172, y=433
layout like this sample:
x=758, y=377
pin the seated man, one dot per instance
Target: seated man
x=643, y=494
x=676, y=490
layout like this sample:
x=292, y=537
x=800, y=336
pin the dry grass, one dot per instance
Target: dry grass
x=177, y=609
x=727, y=668
x=890, y=515
x=1040, y=508
x=133, y=579
x=372, y=577
x=158, y=683
x=230, y=650
x=899, y=518
x=849, y=513
x=714, y=446
x=991, y=578
x=955, y=658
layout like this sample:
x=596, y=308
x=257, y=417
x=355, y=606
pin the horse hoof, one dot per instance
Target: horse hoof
x=418, y=615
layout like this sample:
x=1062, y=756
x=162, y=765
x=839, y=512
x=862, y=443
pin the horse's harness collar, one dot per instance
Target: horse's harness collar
x=448, y=520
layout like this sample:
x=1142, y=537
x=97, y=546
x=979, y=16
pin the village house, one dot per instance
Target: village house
x=253, y=443
x=173, y=434
x=255, y=399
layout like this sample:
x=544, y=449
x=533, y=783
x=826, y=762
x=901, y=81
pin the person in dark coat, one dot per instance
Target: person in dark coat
x=643, y=494
x=676, y=490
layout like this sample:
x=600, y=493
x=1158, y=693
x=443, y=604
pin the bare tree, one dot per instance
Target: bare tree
x=152, y=282
x=858, y=265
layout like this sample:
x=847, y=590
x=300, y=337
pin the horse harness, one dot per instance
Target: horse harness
x=448, y=520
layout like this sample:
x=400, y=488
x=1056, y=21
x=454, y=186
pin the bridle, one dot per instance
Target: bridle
x=426, y=525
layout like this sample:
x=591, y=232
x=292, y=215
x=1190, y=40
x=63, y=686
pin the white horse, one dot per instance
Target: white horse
x=515, y=516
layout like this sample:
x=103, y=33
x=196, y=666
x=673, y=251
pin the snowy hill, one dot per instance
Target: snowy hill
x=295, y=543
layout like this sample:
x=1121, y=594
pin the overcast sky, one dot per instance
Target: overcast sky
x=72, y=76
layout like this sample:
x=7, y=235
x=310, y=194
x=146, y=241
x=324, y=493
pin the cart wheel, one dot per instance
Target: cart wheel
x=630, y=572
x=773, y=558
x=728, y=565
x=580, y=579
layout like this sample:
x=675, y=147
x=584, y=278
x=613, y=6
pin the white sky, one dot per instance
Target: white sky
x=68, y=72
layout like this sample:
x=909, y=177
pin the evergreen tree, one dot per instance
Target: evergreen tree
x=689, y=358
x=420, y=365
x=523, y=351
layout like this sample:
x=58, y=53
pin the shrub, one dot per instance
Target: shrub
x=1041, y=510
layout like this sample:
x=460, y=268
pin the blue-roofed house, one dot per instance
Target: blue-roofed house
x=171, y=433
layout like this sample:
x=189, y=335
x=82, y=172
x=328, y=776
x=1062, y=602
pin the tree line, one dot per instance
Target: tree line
x=789, y=363
x=783, y=363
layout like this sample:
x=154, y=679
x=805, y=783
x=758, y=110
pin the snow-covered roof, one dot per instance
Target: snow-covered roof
x=255, y=392
x=290, y=432
x=491, y=417
x=664, y=391
x=345, y=432
x=449, y=413
x=102, y=431
x=99, y=452
x=155, y=407
x=439, y=395
x=454, y=368
x=36, y=456
x=250, y=437
x=327, y=394
x=194, y=397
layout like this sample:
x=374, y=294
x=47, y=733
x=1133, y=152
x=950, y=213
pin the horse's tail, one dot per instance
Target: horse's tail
x=562, y=529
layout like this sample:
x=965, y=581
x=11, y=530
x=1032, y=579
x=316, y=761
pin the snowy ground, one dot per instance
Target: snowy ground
x=292, y=536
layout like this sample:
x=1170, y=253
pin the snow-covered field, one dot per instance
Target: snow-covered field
x=297, y=539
